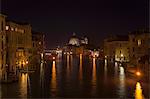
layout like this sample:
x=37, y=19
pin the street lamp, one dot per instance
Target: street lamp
x=138, y=73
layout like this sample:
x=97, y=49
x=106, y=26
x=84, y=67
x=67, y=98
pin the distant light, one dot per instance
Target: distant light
x=53, y=57
x=12, y=29
x=7, y=27
x=138, y=73
x=27, y=62
x=70, y=52
x=121, y=55
x=40, y=43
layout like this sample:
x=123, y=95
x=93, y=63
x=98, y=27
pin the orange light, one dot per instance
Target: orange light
x=53, y=57
x=138, y=73
x=27, y=62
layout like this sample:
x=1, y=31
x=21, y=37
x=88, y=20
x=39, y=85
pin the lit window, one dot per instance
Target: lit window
x=139, y=42
x=121, y=55
x=7, y=27
x=12, y=29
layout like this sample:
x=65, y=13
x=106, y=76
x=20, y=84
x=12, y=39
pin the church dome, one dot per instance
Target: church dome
x=74, y=40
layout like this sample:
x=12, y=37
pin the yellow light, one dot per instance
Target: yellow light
x=27, y=62
x=121, y=55
x=53, y=57
x=138, y=73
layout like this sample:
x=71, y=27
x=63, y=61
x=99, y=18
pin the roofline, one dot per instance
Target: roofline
x=17, y=22
x=3, y=15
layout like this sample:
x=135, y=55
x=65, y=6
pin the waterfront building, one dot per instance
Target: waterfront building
x=76, y=45
x=3, y=65
x=139, y=44
x=38, y=46
x=116, y=48
x=77, y=41
x=19, y=44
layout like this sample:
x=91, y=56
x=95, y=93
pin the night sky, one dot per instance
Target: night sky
x=96, y=19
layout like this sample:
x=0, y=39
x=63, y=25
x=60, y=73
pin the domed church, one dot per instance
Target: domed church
x=76, y=41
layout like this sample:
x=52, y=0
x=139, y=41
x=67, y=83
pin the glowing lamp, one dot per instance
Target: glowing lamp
x=138, y=73
x=27, y=62
x=53, y=57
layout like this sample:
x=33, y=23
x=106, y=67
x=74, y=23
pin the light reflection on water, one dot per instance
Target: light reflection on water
x=105, y=71
x=94, y=77
x=121, y=91
x=138, y=91
x=0, y=91
x=53, y=78
x=68, y=66
x=23, y=85
x=80, y=68
x=42, y=74
x=75, y=77
x=116, y=69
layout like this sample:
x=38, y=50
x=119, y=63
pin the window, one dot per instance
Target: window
x=139, y=42
x=7, y=28
x=12, y=29
x=40, y=43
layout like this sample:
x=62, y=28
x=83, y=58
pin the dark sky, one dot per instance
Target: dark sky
x=93, y=18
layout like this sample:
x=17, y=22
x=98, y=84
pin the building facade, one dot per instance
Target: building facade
x=38, y=45
x=139, y=42
x=19, y=44
x=3, y=65
x=116, y=49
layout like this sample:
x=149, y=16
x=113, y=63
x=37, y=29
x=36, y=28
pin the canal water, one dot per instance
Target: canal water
x=76, y=77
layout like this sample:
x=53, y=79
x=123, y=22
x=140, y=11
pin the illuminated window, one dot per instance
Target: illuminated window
x=12, y=29
x=7, y=27
x=139, y=42
x=39, y=43
x=121, y=55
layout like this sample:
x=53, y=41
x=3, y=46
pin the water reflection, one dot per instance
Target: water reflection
x=116, y=69
x=80, y=68
x=94, y=77
x=138, y=91
x=23, y=85
x=0, y=91
x=53, y=79
x=68, y=62
x=71, y=62
x=68, y=66
x=121, y=85
x=105, y=71
x=42, y=74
